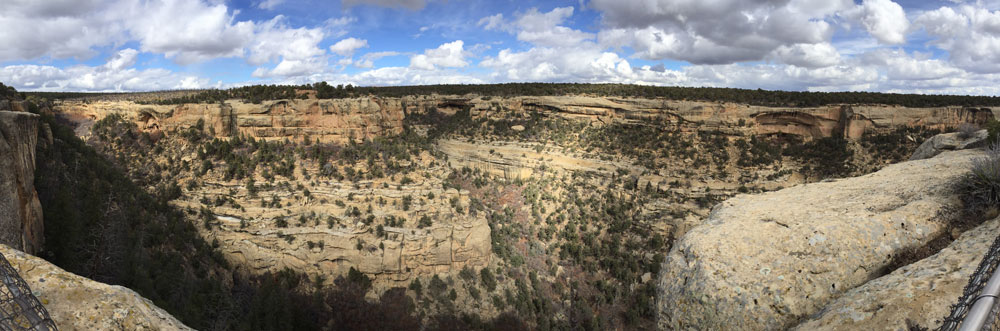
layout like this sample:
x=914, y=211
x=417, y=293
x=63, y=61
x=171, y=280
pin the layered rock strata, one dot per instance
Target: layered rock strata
x=366, y=117
x=20, y=210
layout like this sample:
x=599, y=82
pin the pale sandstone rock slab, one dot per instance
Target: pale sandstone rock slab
x=921, y=292
x=78, y=303
x=948, y=142
x=766, y=261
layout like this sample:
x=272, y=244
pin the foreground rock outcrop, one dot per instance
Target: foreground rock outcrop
x=922, y=292
x=949, y=142
x=20, y=210
x=767, y=261
x=78, y=303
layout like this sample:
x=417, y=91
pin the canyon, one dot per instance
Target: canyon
x=481, y=204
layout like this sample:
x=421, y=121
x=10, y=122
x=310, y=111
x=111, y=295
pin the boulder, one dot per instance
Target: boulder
x=949, y=142
x=922, y=292
x=78, y=303
x=20, y=209
x=767, y=261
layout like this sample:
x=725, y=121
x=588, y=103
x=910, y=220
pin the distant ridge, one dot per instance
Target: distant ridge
x=257, y=93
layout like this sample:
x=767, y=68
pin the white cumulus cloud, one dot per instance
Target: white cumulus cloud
x=884, y=19
x=116, y=74
x=971, y=35
x=448, y=55
x=347, y=46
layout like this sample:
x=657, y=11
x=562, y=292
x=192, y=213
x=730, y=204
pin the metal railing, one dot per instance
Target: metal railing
x=19, y=308
x=978, y=306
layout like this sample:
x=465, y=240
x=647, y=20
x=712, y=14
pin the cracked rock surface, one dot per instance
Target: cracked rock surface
x=767, y=261
x=922, y=292
x=78, y=303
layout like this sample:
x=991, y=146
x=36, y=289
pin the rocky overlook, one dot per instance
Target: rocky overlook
x=78, y=303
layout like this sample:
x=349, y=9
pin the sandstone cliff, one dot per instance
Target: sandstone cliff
x=20, y=210
x=341, y=119
x=831, y=237
x=404, y=254
x=78, y=303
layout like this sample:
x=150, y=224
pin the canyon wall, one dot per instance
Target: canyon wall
x=366, y=117
x=20, y=210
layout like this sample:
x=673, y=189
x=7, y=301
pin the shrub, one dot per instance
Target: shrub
x=437, y=286
x=981, y=187
x=358, y=278
x=489, y=282
x=416, y=287
x=966, y=130
x=424, y=222
x=993, y=127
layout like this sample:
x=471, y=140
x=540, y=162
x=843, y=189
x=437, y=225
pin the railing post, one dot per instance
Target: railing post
x=980, y=311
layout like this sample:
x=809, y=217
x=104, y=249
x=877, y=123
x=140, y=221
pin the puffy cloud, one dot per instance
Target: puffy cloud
x=274, y=40
x=123, y=59
x=900, y=66
x=494, y=22
x=808, y=55
x=189, y=31
x=971, y=35
x=448, y=55
x=408, y=4
x=186, y=31
x=409, y=76
x=293, y=67
x=347, y=46
x=544, y=29
x=59, y=29
x=297, y=50
x=551, y=64
x=884, y=19
x=715, y=31
x=269, y=4
x=539, y=28
x=115, y=75
x=368, y=60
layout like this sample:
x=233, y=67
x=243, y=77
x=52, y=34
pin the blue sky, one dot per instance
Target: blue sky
x=932, y=46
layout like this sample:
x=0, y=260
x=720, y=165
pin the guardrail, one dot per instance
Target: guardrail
x=19, y=308
x=978, y=307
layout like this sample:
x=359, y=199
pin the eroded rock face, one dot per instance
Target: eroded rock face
x=402, y=255
x=519, y=160
x=949, y=142
x=325, y=120
x=922, y=292
x=766, y=261
x=366, y=117
x=78, y=303
x=20, y=210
